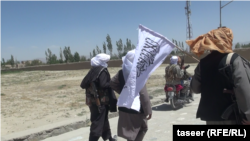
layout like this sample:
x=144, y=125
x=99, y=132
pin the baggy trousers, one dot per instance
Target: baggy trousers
x=99, y=123
x=132, y=127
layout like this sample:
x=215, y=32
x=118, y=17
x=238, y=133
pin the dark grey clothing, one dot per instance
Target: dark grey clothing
x=240, y=79
x=101, y=76
x=99, y=121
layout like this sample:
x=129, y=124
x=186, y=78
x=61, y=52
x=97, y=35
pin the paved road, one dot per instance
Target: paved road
x=160, y=126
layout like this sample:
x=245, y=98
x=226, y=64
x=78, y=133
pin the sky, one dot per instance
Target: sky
x=29, y=28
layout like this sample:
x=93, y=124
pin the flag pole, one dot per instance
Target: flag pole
x=188, y=54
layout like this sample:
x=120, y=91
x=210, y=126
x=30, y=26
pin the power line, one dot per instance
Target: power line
x=221, y=8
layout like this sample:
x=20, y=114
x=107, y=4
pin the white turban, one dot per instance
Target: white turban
x=173, y=60
x=127, y=63
x=100, y=60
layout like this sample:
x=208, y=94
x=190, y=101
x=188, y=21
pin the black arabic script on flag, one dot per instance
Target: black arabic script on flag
x=147, y=55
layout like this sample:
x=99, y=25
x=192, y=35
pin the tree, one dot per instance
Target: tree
x=179, y=44
x=133, y=46
x=119, y=47
x=172, y=40
x=48, y=56
x=67, y=54
x=245, y=45
x=125, y=50
x=114, y=57
x=54, y=59
x=72, y=58
x=109, y=45
x=90, y=55
x=12, y=62
x=83, y=58
x=94, y=54
x=8, y=62
x=16, y=62
x=104, y=47
x=173, y=52
x=3, y=62
x=76, y=57
x=98, y=50
x=183, y=46
x=61, y=56
x=27, y=63
x=248, y=45
x=176, y=43
x=129, y=45
x=237, y=46
x=34, y=63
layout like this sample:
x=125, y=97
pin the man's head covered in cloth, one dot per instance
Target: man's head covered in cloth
x=220, y=40
x=128, y=63
x=100, y=60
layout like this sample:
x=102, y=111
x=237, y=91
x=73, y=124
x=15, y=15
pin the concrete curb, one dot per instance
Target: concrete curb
x=41, y=134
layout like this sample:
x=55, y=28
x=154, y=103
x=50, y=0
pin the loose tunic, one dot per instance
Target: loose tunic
x=173, y=74
x=132, y=125
x=99, y=121
x=210, y=84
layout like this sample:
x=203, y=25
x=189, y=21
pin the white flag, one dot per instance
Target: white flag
x=152, y=49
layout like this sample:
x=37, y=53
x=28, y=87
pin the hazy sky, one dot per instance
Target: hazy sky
x=29, y=28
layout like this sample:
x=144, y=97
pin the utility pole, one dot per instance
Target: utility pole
x=221, y=8
x=189, y=32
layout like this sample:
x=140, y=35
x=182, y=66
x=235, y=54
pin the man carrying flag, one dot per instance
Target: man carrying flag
x=130, y=119
x=130, y=82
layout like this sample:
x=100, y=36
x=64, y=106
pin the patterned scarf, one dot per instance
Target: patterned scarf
x=219, y=39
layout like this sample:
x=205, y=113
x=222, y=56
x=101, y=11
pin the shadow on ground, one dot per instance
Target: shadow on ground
x=167, y=107
x=163, y=107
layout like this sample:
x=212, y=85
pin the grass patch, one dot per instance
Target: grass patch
x=10, y=72
x=62, y=86
x=2, y=94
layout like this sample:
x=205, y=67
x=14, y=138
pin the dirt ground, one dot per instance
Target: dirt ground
x=36, y=98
